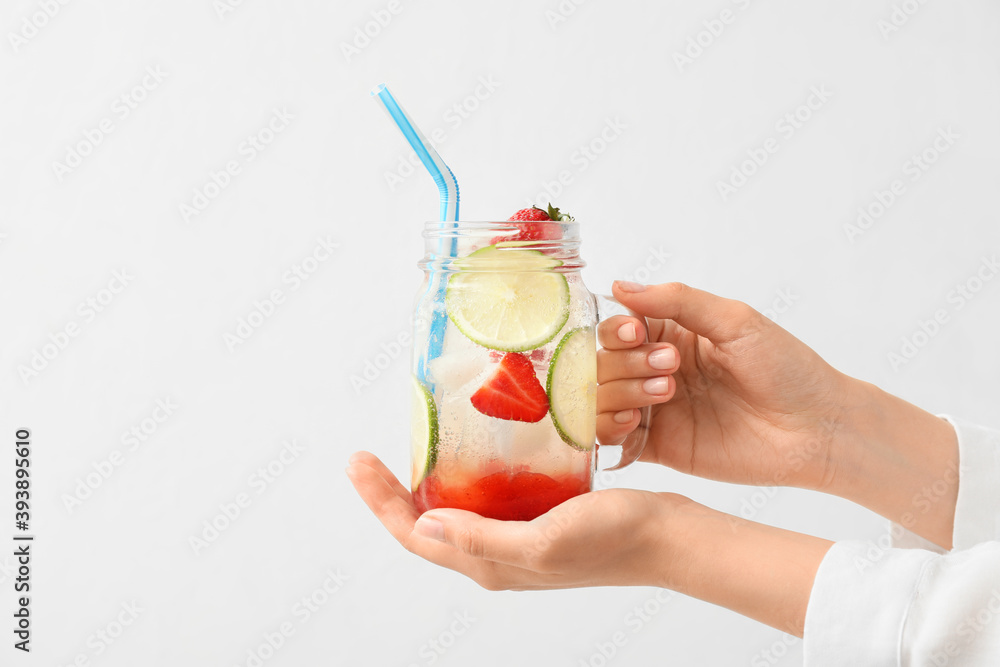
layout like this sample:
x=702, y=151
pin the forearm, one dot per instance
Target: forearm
x=899, y=461
x=759, y=571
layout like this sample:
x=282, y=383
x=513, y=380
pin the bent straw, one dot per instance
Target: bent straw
x=448, y=189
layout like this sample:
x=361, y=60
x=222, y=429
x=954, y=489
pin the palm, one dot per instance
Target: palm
x=752, y=410
x=589, y=540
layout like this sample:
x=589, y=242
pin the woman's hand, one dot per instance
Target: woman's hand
x=616, y=537
x=745, y=401
x=604, y=538
x=741, y=400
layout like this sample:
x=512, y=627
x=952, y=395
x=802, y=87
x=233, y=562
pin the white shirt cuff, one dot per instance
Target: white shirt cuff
x=859, y=604
x=977, y=512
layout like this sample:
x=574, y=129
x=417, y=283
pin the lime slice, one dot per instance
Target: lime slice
x=423, y=432
x=508, y=299
x=572, y=388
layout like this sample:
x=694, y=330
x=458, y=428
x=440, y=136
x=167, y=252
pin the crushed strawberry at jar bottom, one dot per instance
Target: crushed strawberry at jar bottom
x=517, y=496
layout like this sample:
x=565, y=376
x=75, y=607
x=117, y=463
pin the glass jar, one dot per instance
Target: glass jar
x=504, y=387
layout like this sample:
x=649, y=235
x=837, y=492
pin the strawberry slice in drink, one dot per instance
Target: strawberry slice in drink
x=539, y=357
x=513, y=392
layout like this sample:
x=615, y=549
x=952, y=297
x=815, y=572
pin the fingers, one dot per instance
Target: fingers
x=613, y=427
x=646, y=360
x=492, y=553
x=621, y=332
x=619, y=395
x=399, y=516
x=396, y=513
x=718, y=319
x=478, y=537
x=630, y=374
x=372, y=461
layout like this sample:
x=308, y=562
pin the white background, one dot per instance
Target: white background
x=652, y=190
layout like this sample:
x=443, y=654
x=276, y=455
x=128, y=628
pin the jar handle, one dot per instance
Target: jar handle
x=635, y=442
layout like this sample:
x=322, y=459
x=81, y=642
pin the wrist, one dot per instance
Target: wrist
x=853, y=451
x=897, y=460
x=759, y=571
x=670, y=544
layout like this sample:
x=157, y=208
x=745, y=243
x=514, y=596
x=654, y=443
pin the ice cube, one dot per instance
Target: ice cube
x=451, y=418
x=452, y=371
x=529, y=440
x=485, y=436
x=461, y=362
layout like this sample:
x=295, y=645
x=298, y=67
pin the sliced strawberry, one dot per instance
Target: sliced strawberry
x=539, y=357
x=513, y=392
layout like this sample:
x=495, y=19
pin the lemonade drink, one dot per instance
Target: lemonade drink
x=504, y=419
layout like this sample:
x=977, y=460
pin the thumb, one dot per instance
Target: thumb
x=479, y=537
x=717, y=319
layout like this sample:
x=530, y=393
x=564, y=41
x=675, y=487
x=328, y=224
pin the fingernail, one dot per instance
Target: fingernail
x=629, y=286
x=655, y=386
x=626, y=332
x=662, y=359
x=429, y=527
x=623, y=417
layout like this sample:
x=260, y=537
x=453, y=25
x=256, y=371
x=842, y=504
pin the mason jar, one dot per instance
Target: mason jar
x=504, y=370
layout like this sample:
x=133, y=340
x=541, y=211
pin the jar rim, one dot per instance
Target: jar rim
x=481, y=224
x=433, y=223
x=448, y=241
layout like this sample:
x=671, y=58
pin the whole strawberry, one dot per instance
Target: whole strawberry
x=536, y=214
x=536, y=232
x=533, y=214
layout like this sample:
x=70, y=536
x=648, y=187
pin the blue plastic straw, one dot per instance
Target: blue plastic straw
x=448, y=189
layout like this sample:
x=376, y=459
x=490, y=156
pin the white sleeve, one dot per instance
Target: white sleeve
x=977, y=510
x=874, y=605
